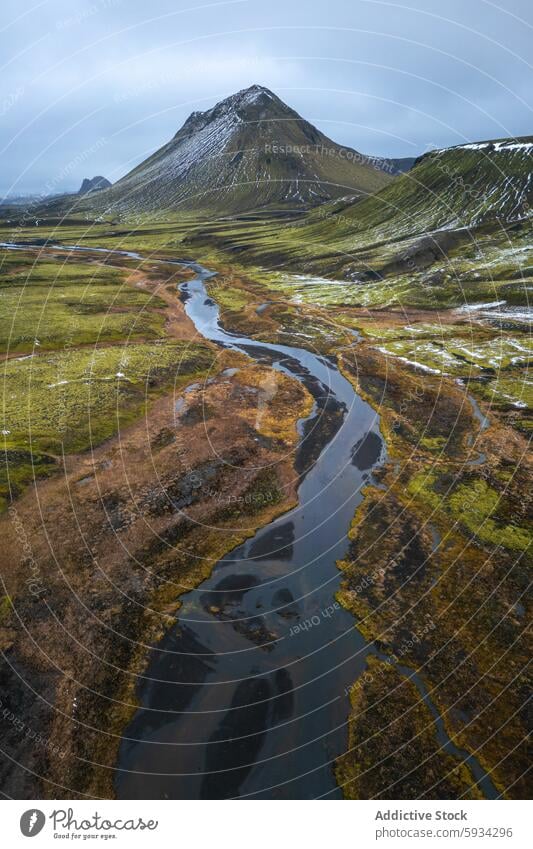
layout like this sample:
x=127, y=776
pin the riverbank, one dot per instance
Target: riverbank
x=446, y=527
x=441, y=481
x=439, y=540
x=97, y=558
x=250, y=701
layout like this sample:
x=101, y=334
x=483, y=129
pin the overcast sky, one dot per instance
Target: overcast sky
x=93, y=86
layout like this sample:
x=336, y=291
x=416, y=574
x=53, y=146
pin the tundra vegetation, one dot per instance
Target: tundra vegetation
x=116, y=415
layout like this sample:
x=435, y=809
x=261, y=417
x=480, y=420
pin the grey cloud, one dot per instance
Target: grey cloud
x=93, y=86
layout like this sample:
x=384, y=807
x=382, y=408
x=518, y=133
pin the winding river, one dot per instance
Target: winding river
x=246, y=695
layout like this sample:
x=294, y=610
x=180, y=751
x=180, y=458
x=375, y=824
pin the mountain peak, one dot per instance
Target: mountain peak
x=248, y=104
x=248, y=151
x=93, y=184
x=254, y=93
x=248, y=98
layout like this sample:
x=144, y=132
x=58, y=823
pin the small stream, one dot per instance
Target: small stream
x=246, y=695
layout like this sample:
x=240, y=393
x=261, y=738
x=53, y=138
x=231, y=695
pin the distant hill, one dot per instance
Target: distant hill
x=454, y=188
x=250, y=151
x=93, y=184
x=399, y=166
x=448, y=197
x=461, y=186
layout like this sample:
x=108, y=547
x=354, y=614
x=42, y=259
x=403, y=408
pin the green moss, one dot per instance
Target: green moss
x=62, y=398
x=509, y=388
x=229, y=298
x=5, y=607
x=434, y=443
x=474, y=505
x=70, y=400
x=52, y=304
x=18, y=468
x=421, y=486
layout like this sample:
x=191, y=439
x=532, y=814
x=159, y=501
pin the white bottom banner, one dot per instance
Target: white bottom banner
x=301, y=823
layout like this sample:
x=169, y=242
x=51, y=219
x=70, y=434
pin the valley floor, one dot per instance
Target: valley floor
x=116, y=415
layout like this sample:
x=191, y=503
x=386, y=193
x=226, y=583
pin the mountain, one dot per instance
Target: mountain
x=461, y=186
x=248, y=152
x=94, y=184
x=451, y=197
x=399, y=166
x=467, y=186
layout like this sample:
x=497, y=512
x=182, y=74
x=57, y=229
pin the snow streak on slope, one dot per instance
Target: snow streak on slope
x=249, y=151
